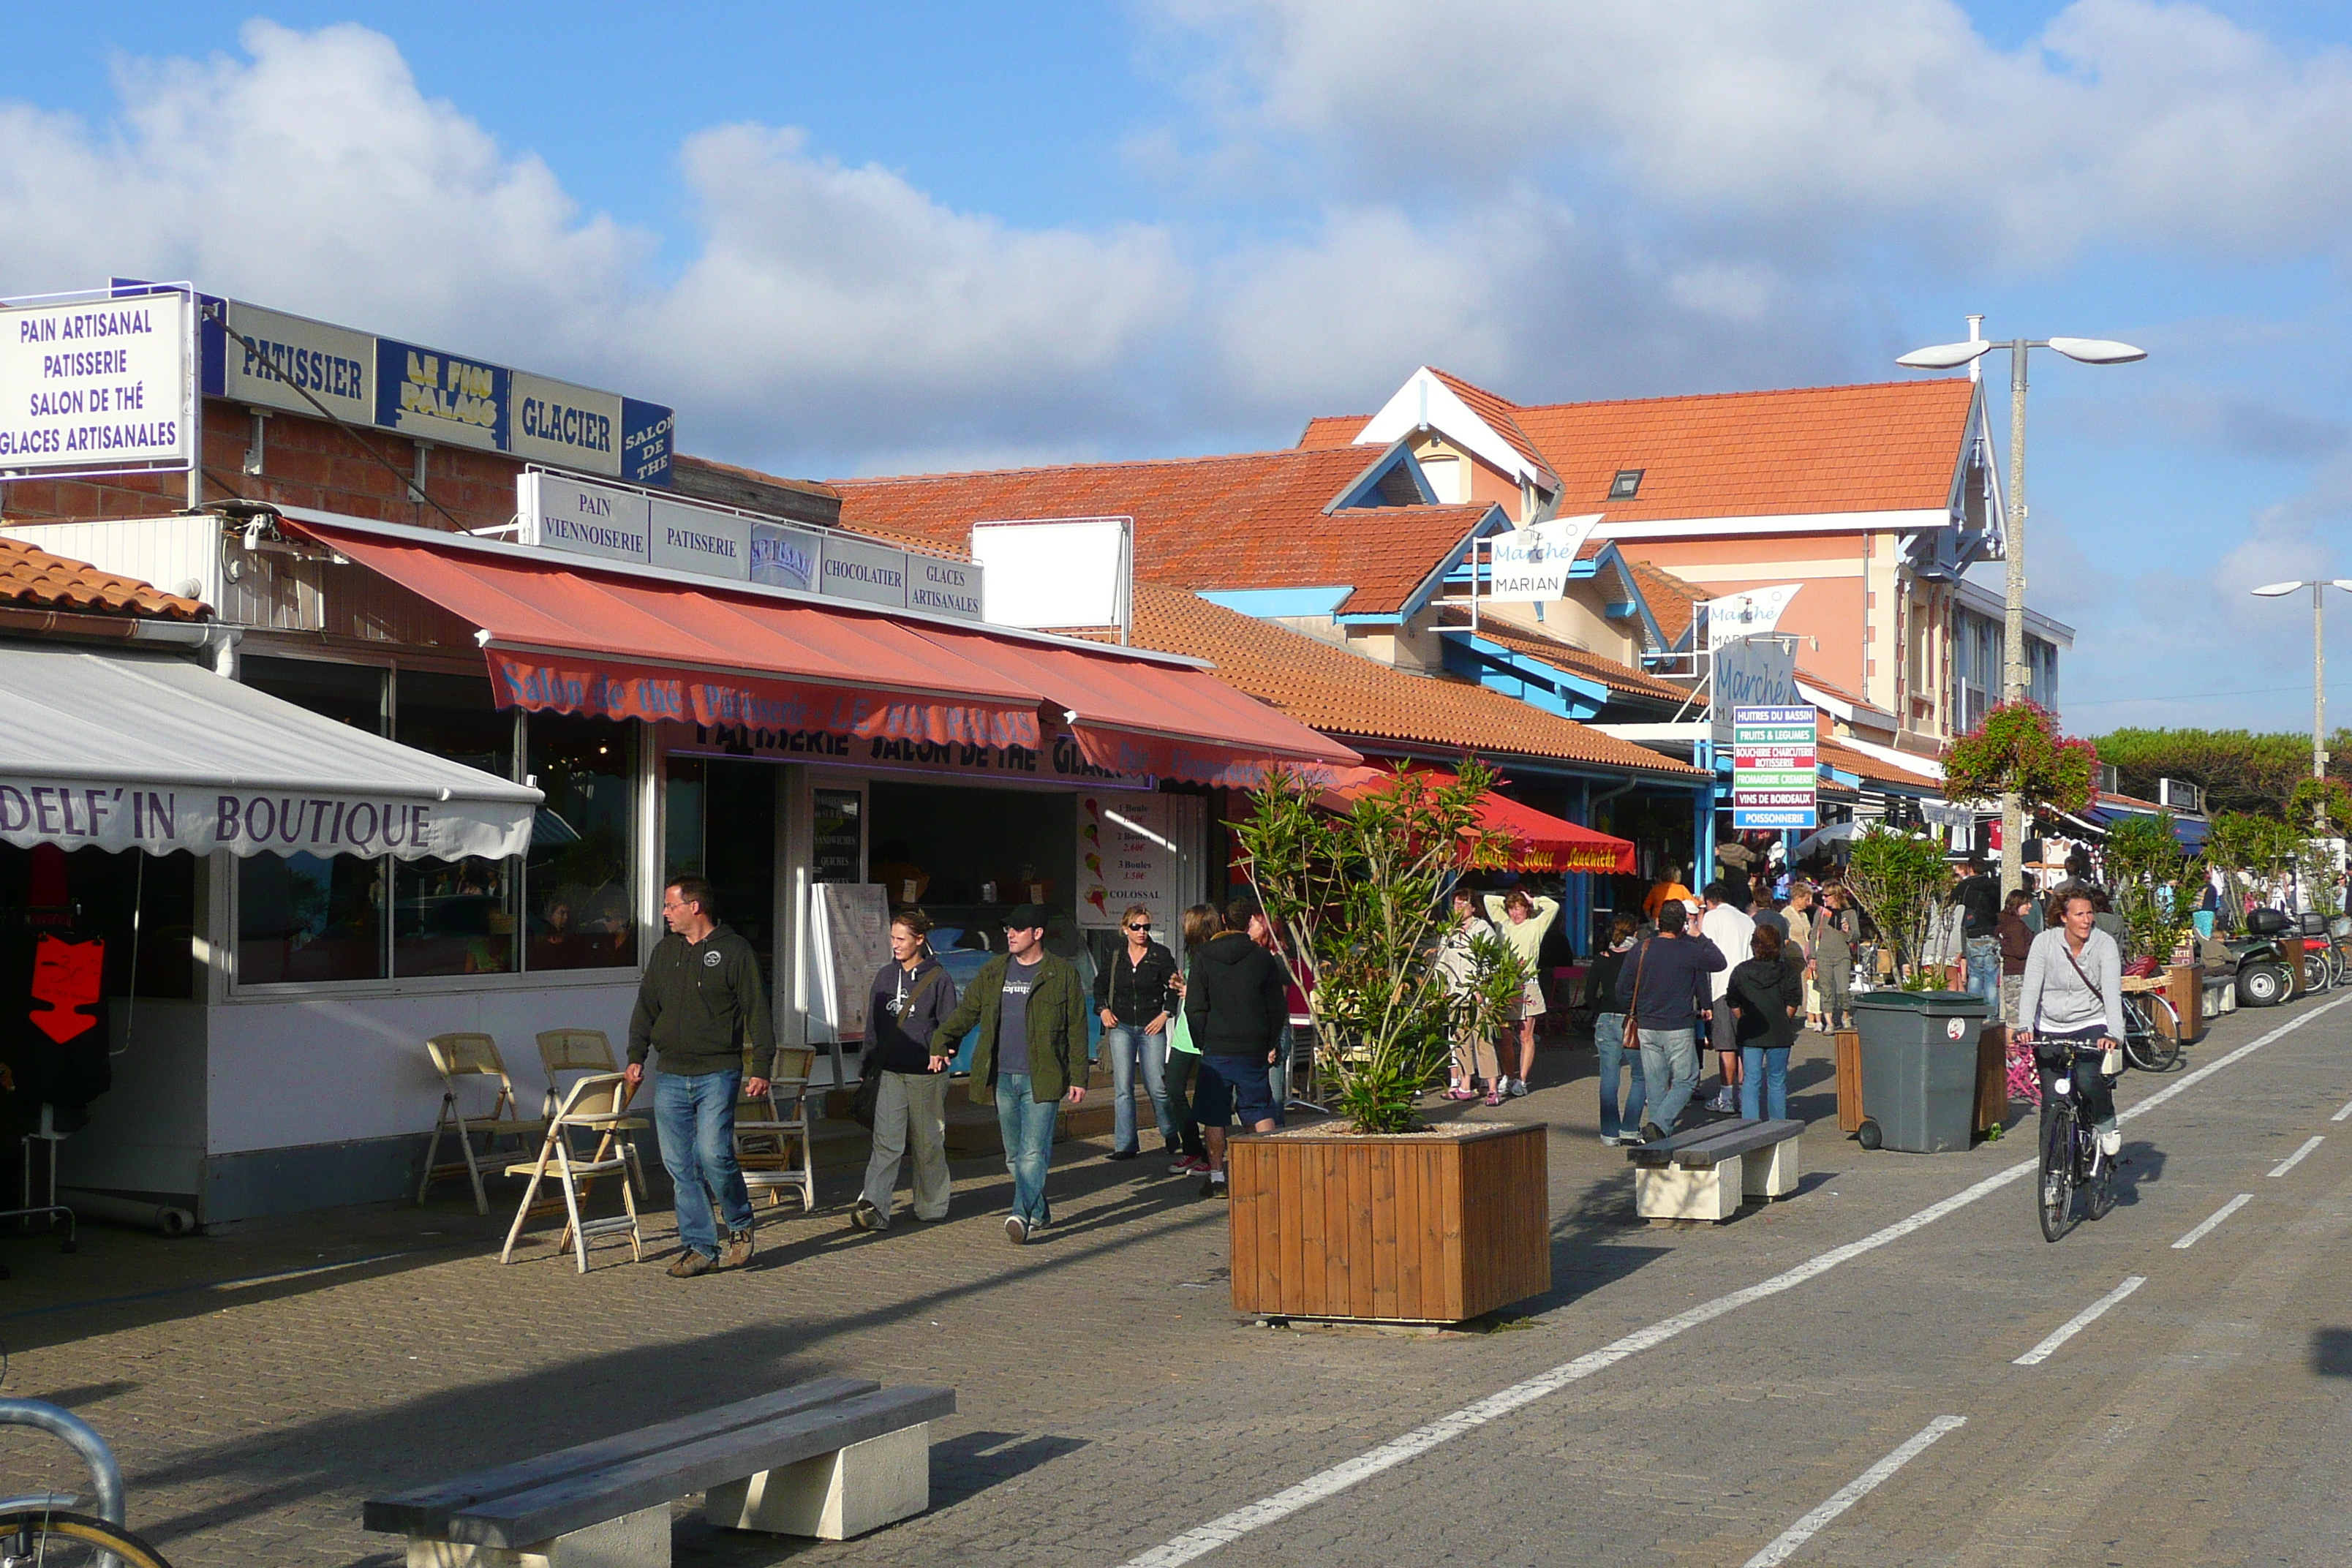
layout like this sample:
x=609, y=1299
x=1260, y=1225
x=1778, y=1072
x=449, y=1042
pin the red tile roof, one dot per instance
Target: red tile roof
x=1348, y=696
x=1884, y=446
x=34, y=578
x=1673, y=602
x=1877, y=770
x=1252, y=520
x=1327, y=431
x=1619, y=678
x=1499, y=415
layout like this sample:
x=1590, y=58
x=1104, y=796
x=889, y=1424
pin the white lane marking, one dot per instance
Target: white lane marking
x=2224, y=1212
x=1845, y=1496
x=2342, y=1115
x=2292, y=1161
x=2079, y=1321
x=1228, y=1528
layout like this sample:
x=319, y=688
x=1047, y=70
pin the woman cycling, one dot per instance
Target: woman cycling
x=2073, y=998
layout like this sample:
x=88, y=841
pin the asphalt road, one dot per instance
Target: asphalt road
x=1834, y=1379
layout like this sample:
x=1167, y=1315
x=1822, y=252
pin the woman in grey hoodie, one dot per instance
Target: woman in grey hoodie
x=2072, y=995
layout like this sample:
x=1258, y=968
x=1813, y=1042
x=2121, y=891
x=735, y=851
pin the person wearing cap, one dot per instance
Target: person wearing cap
x=1030, y=1054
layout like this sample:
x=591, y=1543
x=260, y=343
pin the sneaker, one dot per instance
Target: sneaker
x=1515, y=1087
x=1609, y=1140
x=1652, y=1133
x=691, y=1263
x=738, y=1250
x=1497, y=1096
x=1016, y=1230
x=866, y=1216
x=1214, y=1187
x=1122, y=1154
x=1631, y=1138
x=1723, y=1104
x=1197, y=1165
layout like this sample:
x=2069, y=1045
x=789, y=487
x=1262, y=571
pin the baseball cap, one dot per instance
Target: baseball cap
x=1026, y=917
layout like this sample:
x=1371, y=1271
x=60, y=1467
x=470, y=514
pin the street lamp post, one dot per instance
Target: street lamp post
x=2318, y=662
x=2014, y=681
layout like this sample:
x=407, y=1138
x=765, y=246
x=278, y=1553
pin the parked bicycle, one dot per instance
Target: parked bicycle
x=42, y=1529
x=2070, y=1161
x=2151, y=1030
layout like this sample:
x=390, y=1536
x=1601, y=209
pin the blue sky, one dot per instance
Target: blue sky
x=846, y=239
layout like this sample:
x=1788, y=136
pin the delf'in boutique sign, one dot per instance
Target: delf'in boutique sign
x=102, y=384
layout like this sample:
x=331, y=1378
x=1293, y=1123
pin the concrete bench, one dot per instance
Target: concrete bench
x=831, y=1458
x=1704, y=1173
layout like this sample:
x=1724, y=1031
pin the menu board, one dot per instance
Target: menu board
x=1126, y=855
x=850, y=932
x=837, y=853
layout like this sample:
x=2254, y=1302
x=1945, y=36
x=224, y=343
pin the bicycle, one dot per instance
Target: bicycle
x=42, y=1539
x=2151, y=1030
x=2070, y=1159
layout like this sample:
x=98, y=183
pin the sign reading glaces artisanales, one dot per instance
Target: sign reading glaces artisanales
x=98, y=384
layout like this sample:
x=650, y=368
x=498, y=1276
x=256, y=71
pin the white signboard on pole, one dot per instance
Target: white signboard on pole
x=1126, y=855
x=1736, y=616
x=1530, y=564
x=1059, y=572
x=104, y=384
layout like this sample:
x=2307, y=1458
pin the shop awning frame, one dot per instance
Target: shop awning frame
x=1540, y=841
x=113, y=750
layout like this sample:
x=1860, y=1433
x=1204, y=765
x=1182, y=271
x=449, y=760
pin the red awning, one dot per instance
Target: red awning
x=571, y=637
x=1539, y=841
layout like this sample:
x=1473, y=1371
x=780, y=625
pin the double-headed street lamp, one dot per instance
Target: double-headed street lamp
x=1951, y=356
x=2318, y=660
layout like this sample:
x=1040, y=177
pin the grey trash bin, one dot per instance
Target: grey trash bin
x=1919, y=1068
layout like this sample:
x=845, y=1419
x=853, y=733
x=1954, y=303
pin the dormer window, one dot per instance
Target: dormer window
x=1627, y=484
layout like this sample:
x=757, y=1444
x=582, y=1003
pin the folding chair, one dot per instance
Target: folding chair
x=596, y=1104
x=772, y=1135
x=471, y=1056
x=585, y=1050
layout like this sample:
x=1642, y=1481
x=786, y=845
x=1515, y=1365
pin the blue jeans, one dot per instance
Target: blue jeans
x=1124, y=1047
x=694, y=1116
x=1277, y=1077
x=1984, y=972
x=1670, y=1057
x=1770, y=1065
x=1608, y=1035
x=1027, y=1129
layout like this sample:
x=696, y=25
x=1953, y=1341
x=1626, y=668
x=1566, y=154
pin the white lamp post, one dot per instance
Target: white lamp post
x=2318, y=658
x=1951, y=356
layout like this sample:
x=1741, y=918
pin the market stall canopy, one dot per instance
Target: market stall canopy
x=621, y=642
x=1540, y=842
x=121, y=751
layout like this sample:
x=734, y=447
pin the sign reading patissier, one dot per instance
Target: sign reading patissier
x=103, y=386
x=614, y=523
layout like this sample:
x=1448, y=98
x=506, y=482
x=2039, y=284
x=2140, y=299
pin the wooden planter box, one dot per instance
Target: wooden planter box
x=1429, y=1227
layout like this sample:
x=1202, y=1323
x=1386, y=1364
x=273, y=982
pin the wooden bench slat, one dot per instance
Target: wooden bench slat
x=428, y=1510
x=575, y=1502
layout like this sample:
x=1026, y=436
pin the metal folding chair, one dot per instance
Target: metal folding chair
x=596, y=1105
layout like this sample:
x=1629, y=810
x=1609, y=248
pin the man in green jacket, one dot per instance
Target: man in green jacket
x=1030, y=1056
x=701, y=995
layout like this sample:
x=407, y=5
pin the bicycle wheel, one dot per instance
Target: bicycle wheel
x=31, y=1540
x=2164, y=1032
x=2099, y=1185
x=2055, y=1190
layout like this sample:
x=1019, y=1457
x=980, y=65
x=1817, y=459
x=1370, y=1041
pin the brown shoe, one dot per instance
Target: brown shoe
x=738, y=1250
x=691, y=1263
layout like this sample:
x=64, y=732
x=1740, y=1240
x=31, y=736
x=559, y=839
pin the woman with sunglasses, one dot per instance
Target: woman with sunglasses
x=1134, y=1000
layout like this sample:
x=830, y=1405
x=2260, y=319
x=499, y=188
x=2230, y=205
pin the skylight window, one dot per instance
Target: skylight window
x=1627, y=484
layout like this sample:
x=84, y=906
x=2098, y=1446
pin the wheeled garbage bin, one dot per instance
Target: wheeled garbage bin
x=1919, y=1069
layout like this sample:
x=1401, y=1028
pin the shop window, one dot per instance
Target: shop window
x=684, y=792
x=455, y=917
x=305, y=918
x=582, y=844
x=350, y=694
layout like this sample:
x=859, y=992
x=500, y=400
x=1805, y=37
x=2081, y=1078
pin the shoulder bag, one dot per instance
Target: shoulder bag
x=1633, y=1001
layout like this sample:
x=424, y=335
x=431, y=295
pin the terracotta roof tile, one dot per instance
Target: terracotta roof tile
x=1876, y=769
x=33, y=578
x=1500, y=416
x=1674, y=603
x=1345, y=694
x=1332, y=430
x=1620, y=678
x=1252, y=520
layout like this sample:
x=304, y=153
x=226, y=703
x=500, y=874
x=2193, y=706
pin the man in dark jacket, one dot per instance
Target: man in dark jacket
x=1030, y=1007
x=700, y=997
x=1665, y=986
x=1234, y=1005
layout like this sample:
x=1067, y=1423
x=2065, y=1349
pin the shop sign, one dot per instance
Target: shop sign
x=1775, y=767
x=1751, y=613
x=837, y=851
x=1756, y=672
x=870, y=574
x=100, y=386
x=950, y=588
x=587, y=520
x=435, y=397
x=284, y=357
x=702, y=539
x=785, y=557
x=1530, y=564
x=555, y=422
x=1126, y=855
x=115, y=815
x=1058, y=761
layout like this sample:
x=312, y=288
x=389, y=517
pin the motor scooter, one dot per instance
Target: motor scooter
x=2265, y=973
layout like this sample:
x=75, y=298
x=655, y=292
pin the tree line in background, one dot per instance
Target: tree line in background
x=2237, y=769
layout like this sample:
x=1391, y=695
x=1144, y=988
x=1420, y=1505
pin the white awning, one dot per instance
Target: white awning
x=106, y=750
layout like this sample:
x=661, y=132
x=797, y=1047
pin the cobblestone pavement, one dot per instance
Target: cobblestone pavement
x=258, y=1387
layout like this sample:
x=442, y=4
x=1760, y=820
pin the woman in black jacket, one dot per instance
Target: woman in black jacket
x=1767, y=994
x=1135, y=996
x=910, y=998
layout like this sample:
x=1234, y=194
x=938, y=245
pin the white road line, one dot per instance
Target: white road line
x=1845, y=1496
x=2342, y=1115
x=2224, y=1212
x=1231, y=1527
x=2292, y=1161
x=2079, y=1321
